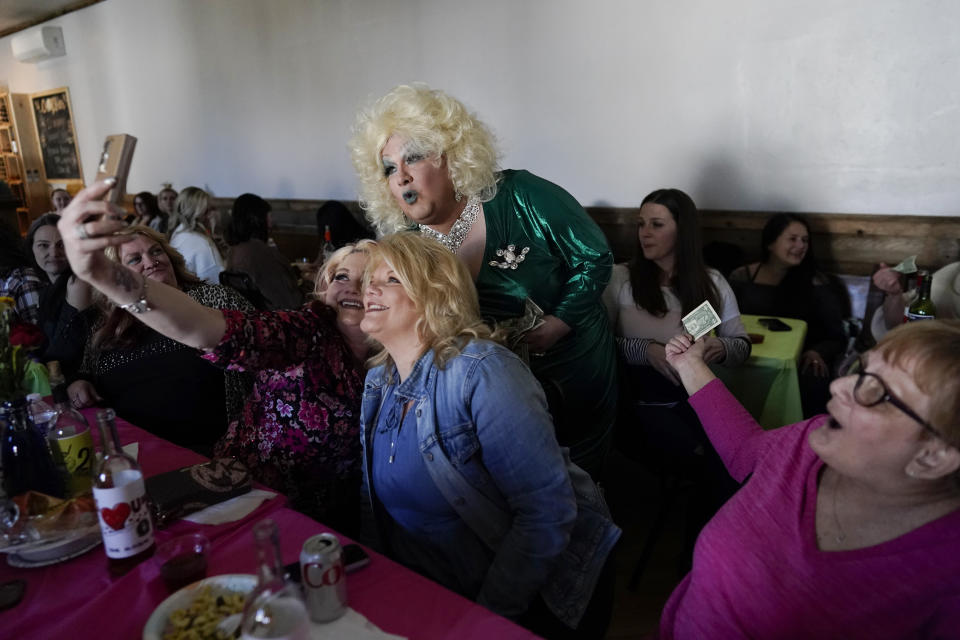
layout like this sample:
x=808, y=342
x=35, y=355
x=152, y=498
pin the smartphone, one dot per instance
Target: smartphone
x=354, y=557
x=115, y=160
x=774, y=324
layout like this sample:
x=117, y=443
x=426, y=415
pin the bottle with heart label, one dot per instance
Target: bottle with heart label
x=122, y=505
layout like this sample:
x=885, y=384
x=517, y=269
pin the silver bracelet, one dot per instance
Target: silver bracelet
x=140, y=305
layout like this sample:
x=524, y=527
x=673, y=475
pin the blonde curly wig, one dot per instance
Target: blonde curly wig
x=441, y=289
x=435, y=124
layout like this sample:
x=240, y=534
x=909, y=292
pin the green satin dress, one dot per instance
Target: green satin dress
x=553, y=253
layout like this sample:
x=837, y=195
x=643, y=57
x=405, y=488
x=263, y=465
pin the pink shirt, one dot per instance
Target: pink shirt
x=757, y=571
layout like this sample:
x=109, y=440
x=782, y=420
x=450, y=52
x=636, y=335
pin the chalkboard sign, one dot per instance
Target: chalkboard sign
x=58, y=138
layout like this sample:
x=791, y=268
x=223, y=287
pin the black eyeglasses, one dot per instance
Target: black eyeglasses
x=871, y=390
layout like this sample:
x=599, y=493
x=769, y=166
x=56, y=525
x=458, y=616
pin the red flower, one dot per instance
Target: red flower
x=26, y=335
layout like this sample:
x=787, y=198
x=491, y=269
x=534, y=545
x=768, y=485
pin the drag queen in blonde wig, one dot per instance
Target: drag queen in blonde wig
x=538, y=261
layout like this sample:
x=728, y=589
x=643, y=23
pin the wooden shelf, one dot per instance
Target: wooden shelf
x=19, y=157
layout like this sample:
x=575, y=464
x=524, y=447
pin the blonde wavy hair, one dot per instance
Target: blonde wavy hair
x=441, y=290
x=329, y=268
x=189, y=209
x=438, y=126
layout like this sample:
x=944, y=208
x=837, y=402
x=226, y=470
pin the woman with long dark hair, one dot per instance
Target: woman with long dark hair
x=665, y=280
x=787, y=283
x=646, y=300
x=148, y=212
x=65, y=310
x=270, y=271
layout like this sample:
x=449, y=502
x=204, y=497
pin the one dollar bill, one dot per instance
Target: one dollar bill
x=701, y=320
x=908, y=265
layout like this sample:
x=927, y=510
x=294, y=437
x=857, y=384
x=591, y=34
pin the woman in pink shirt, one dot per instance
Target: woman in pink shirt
x=849, y=524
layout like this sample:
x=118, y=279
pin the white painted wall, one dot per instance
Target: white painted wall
x=810, y=105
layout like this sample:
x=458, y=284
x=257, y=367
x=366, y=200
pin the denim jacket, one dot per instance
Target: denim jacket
x=488, y=443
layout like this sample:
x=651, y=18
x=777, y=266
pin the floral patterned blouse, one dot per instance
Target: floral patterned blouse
x=300, y=428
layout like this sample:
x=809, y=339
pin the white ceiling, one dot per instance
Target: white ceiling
x=21, y=14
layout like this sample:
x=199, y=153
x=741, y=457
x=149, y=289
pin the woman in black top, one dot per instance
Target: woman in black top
x=150, y=380
x=787, y=283
x=65, y=308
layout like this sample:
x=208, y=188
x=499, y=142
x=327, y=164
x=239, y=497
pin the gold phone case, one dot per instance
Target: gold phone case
x=115, y=162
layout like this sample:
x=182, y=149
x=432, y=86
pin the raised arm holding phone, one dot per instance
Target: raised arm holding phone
x=306, y=364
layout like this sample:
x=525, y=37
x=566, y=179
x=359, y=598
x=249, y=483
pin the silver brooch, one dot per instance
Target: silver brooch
x=511, y=259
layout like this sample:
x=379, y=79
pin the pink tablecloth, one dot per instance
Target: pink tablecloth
x=78, y=599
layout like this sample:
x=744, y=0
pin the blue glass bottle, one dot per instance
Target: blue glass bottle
x=25, y=455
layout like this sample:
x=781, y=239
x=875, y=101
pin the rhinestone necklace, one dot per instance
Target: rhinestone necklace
x=460, y=228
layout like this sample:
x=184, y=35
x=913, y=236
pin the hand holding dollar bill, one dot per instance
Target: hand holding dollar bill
x=701, y=320
x=908, y=265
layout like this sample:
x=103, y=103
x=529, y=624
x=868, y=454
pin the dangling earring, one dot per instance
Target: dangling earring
x=458, y=196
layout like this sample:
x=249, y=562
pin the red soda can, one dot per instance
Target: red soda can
x=324, y=578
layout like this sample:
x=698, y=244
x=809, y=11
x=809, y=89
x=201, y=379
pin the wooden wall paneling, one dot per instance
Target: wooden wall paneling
x=844, y=243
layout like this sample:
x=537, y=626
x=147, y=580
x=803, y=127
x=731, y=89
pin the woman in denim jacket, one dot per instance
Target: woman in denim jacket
x=463, y=476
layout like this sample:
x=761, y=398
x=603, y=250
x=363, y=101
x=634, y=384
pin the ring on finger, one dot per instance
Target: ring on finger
x=82, y=231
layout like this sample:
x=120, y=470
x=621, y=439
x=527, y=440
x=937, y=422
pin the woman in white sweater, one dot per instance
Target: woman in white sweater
x=646, y=299
x=191, y=234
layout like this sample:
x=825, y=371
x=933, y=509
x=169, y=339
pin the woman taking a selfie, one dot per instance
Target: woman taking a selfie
x=298, y=428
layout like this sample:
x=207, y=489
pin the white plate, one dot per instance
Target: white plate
x=58, y=547
x=157, y=623
x=77, y=547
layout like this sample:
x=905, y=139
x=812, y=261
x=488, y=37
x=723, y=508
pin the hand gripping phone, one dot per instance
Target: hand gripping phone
x=115, y=160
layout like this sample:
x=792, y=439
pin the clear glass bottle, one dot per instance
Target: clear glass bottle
x=122, y=506
x=275, y=609
x=922, y=308
x=26, y=459
x=69, y=436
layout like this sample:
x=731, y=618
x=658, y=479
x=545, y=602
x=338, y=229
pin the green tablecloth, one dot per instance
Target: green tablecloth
x=35, y=379
x=767, y=384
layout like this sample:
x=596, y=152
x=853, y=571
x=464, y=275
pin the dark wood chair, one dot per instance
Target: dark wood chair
x=243, y=284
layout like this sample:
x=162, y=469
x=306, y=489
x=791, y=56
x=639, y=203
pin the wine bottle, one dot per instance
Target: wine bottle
x=69, y=436
x=328, y=248
x=922, y=308
x=275, y=608
x=121, y=497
